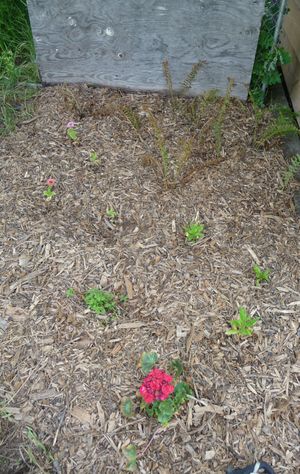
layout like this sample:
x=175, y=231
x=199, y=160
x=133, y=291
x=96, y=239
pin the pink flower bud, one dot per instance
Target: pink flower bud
x=71, y=124
x=51, y=182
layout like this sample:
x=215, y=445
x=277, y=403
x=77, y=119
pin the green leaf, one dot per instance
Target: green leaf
x=165, y=411
x=131, y=454
x=148, y=360
x=181, y=394
x=127, y=407
x=231, y=332
x=72, y=134
x=70, y=292
x=176, y=367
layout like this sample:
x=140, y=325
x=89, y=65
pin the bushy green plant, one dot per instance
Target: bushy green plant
x=18, y=70
x=194, y=232
x=268, y=56
x=242, y=326
x=99, y=301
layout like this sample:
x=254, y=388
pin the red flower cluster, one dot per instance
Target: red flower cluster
x=156, y=386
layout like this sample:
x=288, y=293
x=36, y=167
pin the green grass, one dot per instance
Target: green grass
x=18, y=70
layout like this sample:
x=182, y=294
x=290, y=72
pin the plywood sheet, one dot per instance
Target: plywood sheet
x=122, y=43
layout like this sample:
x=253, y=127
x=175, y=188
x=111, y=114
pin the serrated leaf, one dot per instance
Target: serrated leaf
x=148, y=360
x=127, y=407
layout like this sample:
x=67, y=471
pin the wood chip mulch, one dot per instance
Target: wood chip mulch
x=64, y=370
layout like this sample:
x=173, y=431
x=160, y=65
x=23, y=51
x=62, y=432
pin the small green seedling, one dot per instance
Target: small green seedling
x=130, y=454
x=70, y=292
x=72, y=134
x=242, y=326
x=111, y=213
x=49, y=193
x=261, y=275
x=123, y=298
x=99, y=301
x=194, y=232
x=94, y=158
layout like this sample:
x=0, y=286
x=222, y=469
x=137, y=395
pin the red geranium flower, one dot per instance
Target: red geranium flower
x=51, y=182
x=156, y=386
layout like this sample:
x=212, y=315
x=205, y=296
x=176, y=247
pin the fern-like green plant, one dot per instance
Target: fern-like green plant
x=132, y=117
x=219, y=122
x=190, y=78
x=281, y=125
x=292, y=170
x=162, y=146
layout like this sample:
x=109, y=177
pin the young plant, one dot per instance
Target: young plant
x=99, y=301
x=161, y=144
x=111, y=213
x=194, y=232
x=49, y=193
x=219, y=122
x=281, y=125
x=242, y=326
x=70, y=292
x=132, y=118
x=292, y=170
x=71, y=132
x=130, y=454
x=261, y=275
x=162, y=394
x=94, y=158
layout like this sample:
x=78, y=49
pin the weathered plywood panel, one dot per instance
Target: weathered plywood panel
x=290, y=39
x=122, y=43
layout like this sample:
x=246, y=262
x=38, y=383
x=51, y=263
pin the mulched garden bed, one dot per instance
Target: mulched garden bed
x=64, y=370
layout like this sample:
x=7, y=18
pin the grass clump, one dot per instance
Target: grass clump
x=99, y=301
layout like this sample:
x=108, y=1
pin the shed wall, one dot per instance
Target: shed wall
x=291, y=41
x=123, y=43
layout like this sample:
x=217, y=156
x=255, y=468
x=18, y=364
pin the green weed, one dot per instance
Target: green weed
x=70, y=292
x=219, y=121
x=94, y=158
x=261, y=275
x=132, y=117
x=111, y=213
x=99, y=301
x=130, y=454
x=242, y=326
x=292, y=170
x=194, y=232
x=282, y=124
